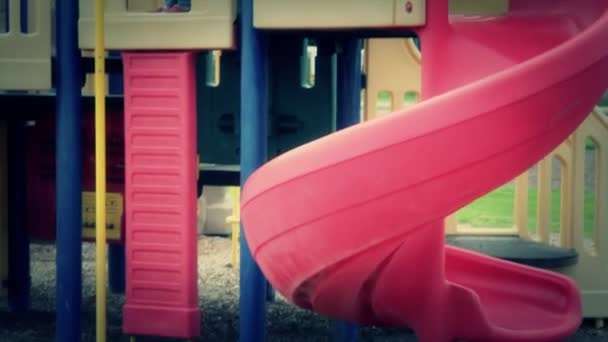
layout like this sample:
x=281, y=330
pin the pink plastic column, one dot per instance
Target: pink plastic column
x=161, y=169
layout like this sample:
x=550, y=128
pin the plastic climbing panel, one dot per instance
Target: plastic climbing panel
x=161, y=173
x=208, y=25
x=25, y=46
x=3, y=213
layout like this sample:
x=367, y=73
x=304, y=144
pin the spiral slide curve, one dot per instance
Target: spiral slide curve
x=351, y=225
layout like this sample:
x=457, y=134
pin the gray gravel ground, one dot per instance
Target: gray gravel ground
x=218, y=288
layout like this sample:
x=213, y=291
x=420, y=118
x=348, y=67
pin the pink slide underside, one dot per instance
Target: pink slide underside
x=351, y=225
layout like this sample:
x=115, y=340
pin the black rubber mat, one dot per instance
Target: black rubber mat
x=518, y=250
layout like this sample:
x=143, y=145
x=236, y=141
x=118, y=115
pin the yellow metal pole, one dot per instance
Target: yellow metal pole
x=100, y=170
x=235, y=221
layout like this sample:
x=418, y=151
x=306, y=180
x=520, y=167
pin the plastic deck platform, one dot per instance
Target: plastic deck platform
x=161, y=170
x=516, y=249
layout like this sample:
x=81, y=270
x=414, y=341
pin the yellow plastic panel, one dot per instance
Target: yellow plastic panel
x=337, y=14
x=208, y=25
x=3, y=212
x=25, y=58
x=114, y=213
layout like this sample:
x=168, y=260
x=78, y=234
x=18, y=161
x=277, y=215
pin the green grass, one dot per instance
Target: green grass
x=496, y=210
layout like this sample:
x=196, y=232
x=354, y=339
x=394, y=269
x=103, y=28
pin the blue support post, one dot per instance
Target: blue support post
x=115, y=80
x=348, y=114
x=23, y=15
x=271, y=293
x=116, y=268
x=254, y=114
x=116, y=252
x=68, y=173
x=346, y=332
x=115, y=84
x=19, y=281
x=349, y=84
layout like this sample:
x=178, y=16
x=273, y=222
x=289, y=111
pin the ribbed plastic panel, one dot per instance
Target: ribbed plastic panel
x=161, y=169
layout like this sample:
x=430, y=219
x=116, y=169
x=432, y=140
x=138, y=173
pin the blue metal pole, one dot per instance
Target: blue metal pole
x=23, y=16
x=115, y=80
x=271, y=293
x=19, y=280
x=116, y=252
x=116, y=268
x=68, y=173
x=254, y=113
x=346, y=332
x=349, y=84
x=348, y=114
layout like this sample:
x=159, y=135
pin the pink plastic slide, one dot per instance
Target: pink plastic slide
x=351, y=225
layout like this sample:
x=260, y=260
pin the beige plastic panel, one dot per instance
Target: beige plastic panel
x=3, y=211
x=392, y=65
x=218, y=206
x=479, y=7
x=25, y=58
x=564, y=154
x=88, y=89
x=208, y=25
x=143, y=5
x=393, y=68
x=337, y=14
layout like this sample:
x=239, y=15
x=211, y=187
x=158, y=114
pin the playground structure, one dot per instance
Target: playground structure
x=393, y=82
x=157, y=64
